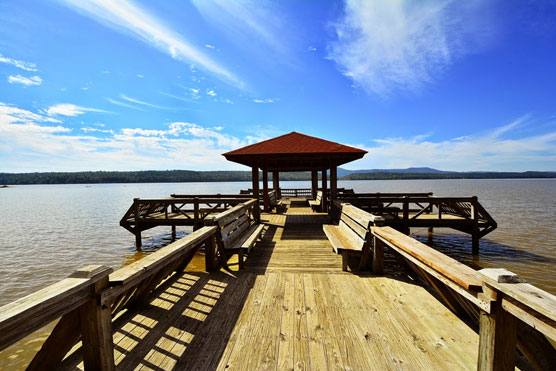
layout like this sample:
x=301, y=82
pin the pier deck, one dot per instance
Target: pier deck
x=292, y=307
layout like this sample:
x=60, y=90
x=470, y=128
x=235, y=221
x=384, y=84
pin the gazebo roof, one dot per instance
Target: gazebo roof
x=295, y=151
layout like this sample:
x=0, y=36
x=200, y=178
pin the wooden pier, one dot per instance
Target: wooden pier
x=291, y=307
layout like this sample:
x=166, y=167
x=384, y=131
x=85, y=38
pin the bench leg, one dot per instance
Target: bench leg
x=345, y=259
x=240, y=259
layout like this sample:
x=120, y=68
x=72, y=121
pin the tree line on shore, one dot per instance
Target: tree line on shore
x=175, y=176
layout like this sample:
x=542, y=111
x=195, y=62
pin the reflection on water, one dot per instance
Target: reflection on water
x=48, y=231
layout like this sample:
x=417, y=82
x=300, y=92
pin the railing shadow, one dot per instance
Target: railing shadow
x=186, y=324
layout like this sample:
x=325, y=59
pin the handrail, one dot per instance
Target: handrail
x=89, y=299
x=74, y=300
x=501, y=298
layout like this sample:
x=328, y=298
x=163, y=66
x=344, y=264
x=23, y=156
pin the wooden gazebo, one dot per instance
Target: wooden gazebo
x=295, y=152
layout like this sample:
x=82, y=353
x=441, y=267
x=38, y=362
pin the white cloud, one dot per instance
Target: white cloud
x=268, y=100
x=312, y=49
x=88, y=129
x=385, y=46
x=211, y=93
x=68, y=109
x=494, y=151
x=27, y=144
x=132, y=19
x=140, y=76
x=27, y=66
x=27, y=81
x=209, y=46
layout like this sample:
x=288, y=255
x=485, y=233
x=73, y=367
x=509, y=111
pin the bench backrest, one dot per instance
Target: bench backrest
x=272, y=198
x=231, y=223
x=356, y=223
x=319, y=197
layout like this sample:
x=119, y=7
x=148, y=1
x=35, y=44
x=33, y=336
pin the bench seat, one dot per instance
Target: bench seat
x=352, y=234
x=316, y=203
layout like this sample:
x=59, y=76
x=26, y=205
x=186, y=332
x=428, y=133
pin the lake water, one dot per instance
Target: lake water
x=48, y=231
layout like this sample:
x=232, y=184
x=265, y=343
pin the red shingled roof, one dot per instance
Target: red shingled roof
x=294, y=143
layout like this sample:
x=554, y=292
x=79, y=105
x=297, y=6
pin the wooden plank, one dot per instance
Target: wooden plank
x=285, y=359
x=354, y=224
x=459, y=273
x=497, y=340
x=301, y=333
x=339, y=240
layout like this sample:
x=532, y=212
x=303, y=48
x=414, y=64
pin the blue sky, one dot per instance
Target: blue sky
x=136, y=85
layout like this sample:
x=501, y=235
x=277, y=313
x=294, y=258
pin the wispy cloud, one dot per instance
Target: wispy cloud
x=27, y=66
x=27, y=81
x=267, y=100
x=122, y=104
x=500, y=149
x=385, y=46
x=68, y=109
x=246, y=18
x=212, y=93
x=142, y=103
x=129, y=17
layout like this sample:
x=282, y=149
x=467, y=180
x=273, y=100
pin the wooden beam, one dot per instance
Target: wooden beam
x=255, y=181
x=265, y=191
x=497, y=339
x=324, y=191
x=314, y=183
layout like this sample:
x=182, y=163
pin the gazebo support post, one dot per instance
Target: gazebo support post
x=324, y=191
x=333, y=184
x=255, y=179
x=276, y=183
x=265, y=190
x=314, y=183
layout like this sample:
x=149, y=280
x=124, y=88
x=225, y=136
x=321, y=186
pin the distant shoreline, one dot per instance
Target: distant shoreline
x=188, y=176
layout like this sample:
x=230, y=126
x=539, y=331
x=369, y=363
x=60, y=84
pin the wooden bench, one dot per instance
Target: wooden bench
x=317, y=202
x=236, y=232
x=274, y=202
x=352, y=235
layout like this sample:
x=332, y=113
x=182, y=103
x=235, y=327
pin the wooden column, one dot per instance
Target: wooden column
x=265, y=191
x=324, y=191
x=475, y=233
x=255, y=180
x=497, y=329
x=314, y=183
x=276, y=183
x=137, y=228
x=96, y=324
x=333, y=184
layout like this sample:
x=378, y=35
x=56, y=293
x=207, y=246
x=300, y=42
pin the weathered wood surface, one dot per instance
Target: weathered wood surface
x=459, y=273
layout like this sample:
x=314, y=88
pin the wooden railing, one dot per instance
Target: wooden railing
x=178, y=210
x=500, y=300
x=87, y=301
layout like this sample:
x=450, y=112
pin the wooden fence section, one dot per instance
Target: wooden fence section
x=178, y=210
x=501, y=301
x=89, y=299
x=403, y=211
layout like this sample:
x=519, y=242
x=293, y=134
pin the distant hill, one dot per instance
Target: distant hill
x=174, y=176
x=414, y=170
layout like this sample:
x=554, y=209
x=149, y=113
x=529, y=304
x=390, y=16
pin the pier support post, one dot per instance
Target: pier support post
x=497, y=329
x=138, y=240
x=173, y=233
x=324, y=191
x=314, y=183
x=96, y=324
x=255, y=181
x=475, y=233
x=333, y=184
x=378, y=256
x=265, y=190
x=276, y=183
